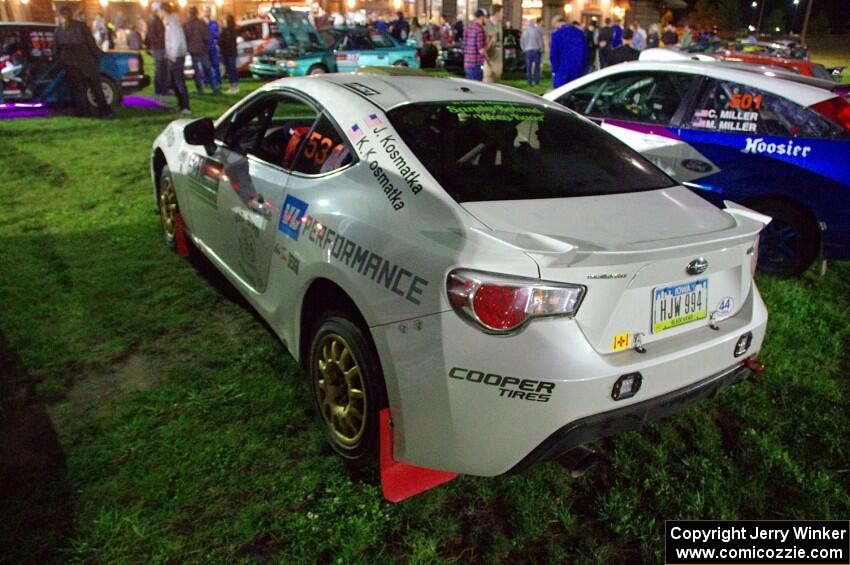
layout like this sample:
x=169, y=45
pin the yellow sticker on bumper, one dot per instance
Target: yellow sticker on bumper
x=621, y=341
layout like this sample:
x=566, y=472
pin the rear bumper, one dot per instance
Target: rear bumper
x=630, y=418
x=481, y=404
x=134, y=82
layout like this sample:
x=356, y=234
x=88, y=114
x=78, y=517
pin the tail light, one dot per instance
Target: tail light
x=836, y=109
x=501, y=304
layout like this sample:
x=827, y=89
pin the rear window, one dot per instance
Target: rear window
x=510, y=151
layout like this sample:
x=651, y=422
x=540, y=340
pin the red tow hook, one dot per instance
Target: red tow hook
x=754, y=365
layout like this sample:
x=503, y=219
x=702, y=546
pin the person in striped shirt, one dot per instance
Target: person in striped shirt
x=475, y=47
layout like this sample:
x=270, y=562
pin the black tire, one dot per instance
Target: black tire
x=166, y=200
x=332, y=387
x=790, y=243
x=317, y=69
x=111, y=92
x=400, y=64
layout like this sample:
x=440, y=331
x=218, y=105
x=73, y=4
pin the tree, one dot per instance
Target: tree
x=775, y=19
x=704, y=15
x=728, y=15
x=820, y=24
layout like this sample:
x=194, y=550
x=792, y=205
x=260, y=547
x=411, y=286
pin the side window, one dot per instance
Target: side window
x=582, y=98
x=272, y=129
x=289, y=124
x=41, y=43
x=730, y=107
x=324, y=150
x=642, y=97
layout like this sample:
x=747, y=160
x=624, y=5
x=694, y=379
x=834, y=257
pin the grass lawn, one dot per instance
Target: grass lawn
x=147, y=416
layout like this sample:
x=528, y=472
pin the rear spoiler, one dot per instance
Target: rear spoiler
x=551, y=251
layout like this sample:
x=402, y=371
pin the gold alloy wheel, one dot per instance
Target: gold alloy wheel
x=340, y=390
x=167, y=207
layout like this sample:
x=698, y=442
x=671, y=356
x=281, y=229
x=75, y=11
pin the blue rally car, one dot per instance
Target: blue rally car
x=30, y=72
x=774, y=141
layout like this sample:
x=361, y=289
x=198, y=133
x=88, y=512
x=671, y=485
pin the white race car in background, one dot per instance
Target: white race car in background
x=252, y=37
x=497, y=274
x=769, y=139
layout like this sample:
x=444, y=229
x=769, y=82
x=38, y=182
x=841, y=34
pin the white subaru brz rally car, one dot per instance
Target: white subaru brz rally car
x=473, y=278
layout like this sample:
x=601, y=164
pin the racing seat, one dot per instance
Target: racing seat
x=292, y=146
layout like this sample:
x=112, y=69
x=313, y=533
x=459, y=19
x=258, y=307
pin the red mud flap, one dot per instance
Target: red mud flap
x=399, y=480
x=180, y=235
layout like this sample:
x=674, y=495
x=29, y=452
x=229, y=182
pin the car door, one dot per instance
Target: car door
x=639, y=108
x=324, y=156
x=355, y=50
x=759, y=142
x=257, y=155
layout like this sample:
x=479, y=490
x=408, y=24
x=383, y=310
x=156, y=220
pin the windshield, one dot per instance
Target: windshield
x=297, y=30
x=510, y=151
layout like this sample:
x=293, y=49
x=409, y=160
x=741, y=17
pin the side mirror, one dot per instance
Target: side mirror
x=201, y=132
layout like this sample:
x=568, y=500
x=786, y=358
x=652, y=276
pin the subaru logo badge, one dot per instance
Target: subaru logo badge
x=697, y=266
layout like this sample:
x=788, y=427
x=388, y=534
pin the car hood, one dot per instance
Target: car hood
x=297, y=31
x=609, y=222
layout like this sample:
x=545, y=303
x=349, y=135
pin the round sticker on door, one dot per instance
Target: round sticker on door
x=724, y=307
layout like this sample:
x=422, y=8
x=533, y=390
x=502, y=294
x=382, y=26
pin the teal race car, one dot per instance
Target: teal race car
x=357, y=47
x=302, y=50
x=306, y=52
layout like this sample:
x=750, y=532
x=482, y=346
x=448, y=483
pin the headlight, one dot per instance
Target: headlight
x=292, y=64
x=501, y=304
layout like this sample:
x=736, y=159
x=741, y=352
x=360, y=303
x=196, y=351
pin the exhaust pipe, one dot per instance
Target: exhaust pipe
x=578, y=460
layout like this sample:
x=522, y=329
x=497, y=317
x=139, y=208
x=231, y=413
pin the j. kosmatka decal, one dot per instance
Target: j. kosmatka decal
x=381, y=151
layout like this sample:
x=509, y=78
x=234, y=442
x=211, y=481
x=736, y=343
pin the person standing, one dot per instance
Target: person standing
x=494, y=63
x=156, y=47
x=652, y=39
x=101, y=34
x=475, y=46
x=80, y=58
x=197, y=38
x=604, y=40
x=400, y=29
x=590, y=41
x=639, y=37
x=625, y=52
x=457, y=29
x=446, y=34
x=567, y=53
x=227, y=47
x=533, y=43
x=381, y=25
x=212, y=48
x=670, y=37
x=617, y=30
x=175, y=52
x=687, y=37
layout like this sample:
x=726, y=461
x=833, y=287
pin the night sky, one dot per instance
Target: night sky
x=838, y=11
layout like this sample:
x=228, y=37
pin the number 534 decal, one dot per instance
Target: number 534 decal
x=318, y=148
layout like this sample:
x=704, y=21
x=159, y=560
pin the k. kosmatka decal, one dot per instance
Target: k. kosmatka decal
x=390, y=167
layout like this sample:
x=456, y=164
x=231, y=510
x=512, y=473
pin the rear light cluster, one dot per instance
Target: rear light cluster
x=501, y=304
x=836, y=109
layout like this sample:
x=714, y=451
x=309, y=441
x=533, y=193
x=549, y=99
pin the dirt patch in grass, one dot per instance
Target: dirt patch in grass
x=93, y=392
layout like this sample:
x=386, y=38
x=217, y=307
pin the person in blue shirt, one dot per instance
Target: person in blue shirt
x=381, y=25
x=618, y=35
x=567, y=53
x=212, y=45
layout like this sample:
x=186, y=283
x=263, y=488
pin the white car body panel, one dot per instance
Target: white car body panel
x=800, y=93
x=441, y=421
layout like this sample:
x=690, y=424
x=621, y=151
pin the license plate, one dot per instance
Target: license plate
x=681, y=304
